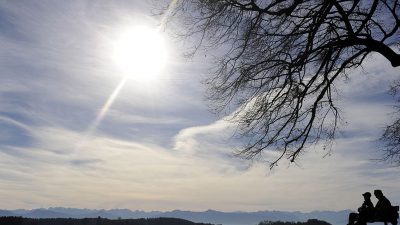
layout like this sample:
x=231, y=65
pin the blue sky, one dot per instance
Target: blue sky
x=158, y=147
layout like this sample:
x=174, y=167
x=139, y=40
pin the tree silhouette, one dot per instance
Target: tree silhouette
x=308, y=222
x=391, y=135
x=278, y=62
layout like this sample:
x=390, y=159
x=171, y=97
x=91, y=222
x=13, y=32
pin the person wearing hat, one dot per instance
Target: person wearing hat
x=365, y=212
x=382, y=207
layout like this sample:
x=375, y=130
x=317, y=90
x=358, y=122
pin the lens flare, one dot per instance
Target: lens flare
x=140, y=53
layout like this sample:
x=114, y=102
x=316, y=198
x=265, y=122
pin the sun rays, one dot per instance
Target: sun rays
x=140, y=54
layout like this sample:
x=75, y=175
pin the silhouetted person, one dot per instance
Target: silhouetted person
x=365, y=212
x=383, y=206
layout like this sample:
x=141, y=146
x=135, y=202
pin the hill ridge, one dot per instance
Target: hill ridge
x=208, y=216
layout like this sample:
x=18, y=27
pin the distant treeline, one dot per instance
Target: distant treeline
x=309, y=222
x=10, y=220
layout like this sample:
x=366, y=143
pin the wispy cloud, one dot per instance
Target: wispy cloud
x=158, y=147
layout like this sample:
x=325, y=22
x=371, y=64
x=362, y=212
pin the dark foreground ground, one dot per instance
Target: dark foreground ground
x=12, y=220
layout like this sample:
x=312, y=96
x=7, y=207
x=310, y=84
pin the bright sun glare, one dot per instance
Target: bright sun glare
x=140, y=52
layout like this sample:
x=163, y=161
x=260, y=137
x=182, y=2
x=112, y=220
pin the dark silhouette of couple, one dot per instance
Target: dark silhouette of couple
x=368, y=213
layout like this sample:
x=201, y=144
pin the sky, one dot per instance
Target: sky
x=157, y=146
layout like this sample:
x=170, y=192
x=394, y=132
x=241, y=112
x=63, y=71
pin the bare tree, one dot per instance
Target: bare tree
x=281, y=59
x=391, y=135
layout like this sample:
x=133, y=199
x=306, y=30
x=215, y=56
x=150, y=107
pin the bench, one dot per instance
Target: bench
x=390, y=217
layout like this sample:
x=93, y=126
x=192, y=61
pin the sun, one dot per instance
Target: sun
x=140, y=53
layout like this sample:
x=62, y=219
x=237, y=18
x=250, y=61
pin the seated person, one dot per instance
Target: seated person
x=365, y=212
x=383, y=207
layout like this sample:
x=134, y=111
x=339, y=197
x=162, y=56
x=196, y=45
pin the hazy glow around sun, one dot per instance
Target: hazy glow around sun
x=140, y=52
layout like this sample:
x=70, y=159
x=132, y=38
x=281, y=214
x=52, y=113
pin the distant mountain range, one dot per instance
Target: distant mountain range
x=209, y=216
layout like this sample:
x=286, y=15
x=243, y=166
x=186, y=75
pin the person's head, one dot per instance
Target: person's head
x=378, y=194
x=367, y=195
